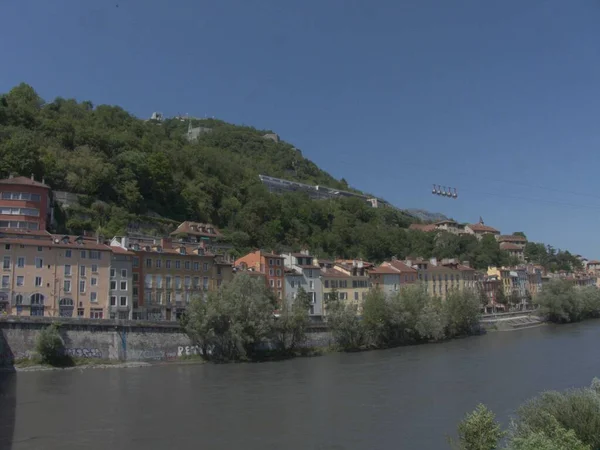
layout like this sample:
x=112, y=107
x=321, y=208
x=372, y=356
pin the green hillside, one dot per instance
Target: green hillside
x=135, y=173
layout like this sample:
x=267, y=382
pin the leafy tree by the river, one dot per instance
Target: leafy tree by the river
x=562, y=302
x=289, y=328
x=479, y=430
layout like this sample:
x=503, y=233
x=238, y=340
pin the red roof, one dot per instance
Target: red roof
x=400, y=266
x=24, y=181
x=384, y=270
x=55, y=241
x=197, y=229
x=332, y=273
x=511, y=238
x=482, y=228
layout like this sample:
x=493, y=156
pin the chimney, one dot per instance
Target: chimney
x=466, y=263
x=394, y=258
x=10, y=176
x=166, y=243
x=433, y=261
x=43, y=180
x=32, y=179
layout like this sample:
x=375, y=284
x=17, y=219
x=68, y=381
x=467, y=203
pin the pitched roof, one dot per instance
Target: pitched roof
x=400, y=266
x=482, y=228
x=593, y=261
x=511, y=238
x=197, y=229
x=54, y=241
x=384, y=270
x=24, y=181
x=332, y=273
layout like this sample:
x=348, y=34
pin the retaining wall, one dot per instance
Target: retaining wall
x=111, y=339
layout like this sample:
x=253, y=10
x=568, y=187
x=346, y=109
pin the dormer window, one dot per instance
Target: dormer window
x=79, y=240
x=182, y=250
x=159, y=249
x=65, y=239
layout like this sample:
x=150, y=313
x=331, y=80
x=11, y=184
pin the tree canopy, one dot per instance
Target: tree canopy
x=146, y=175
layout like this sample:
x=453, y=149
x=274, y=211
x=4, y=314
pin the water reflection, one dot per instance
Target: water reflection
x=409, y=397
x=8, y=408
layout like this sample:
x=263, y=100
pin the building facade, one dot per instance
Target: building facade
x=391, y=276
x=24, y=204
x=268, y=263
x=120, y=304
x=304, y=265
x=440, y=278
x=50, y=275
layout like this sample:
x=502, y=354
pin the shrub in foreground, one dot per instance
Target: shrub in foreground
x=50, y=346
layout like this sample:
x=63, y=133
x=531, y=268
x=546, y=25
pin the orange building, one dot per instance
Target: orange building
x=268, y=263
x=24, y=204
x=53, y=275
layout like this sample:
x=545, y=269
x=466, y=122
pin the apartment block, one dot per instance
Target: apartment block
x=50, y=275
x=307, y=274
x=269, y=263
x=440, y=277
x=166, y=275
x=24, y=204
x=390, y=276
x=120, y=303
x=349, y=280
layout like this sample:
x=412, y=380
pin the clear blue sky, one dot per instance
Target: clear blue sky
x=392, y=95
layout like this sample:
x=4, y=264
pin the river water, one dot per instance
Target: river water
x=404, y=398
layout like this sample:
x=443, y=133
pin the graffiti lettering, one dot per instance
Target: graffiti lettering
x=146, y=354
x=188, y=350
x=83, y=352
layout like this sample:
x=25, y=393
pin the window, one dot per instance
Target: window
x=272, y=282
x=67, y=270
x=187, y=282
x=148, y=263
x=94, y=254
x=113, y=300
x=355, y=295
x=326, y=283
x=39, y=263
x=136, y=277
x=168, y=263
x=309, y=273
x=196, y=282
x=205, y=282
x=187, y=265
x=278, y=283
x=113, y=273
x=67, y=285
x=82, y=254
x=113, y=285
x=278, y=272
x=21, y=261
x=148, y=281
x=6, y=246
x=159, y=297
x=20, y=280
x=278, y=262
x=271, y=272
x=343, y=296
x=218, y=270
x=158, y=263
x=205, y=267
x=82, y=271
x=93, y=296
x=292, y=284
x=311, y=284
x=39, y=248
x=94, y=281
x=80, y=312
x=96, y=313
x=38, y=281
x=5, y=281
x=82, y=287
x=67, y=253
x=6, y=263
x=135, y=291
x=149, y=297
x=196, y=266
x=94, y=268
x=136, y=262
x=178, y=264
x=168, y=282
x=123, y=285
x=37, y=304
x=279, y=294
x=159, y=281
x=123, y=301
x=270, y=262
x=177, y=282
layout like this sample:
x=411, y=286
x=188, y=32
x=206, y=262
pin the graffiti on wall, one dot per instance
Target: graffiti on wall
x=188, y=350
x=83, y=352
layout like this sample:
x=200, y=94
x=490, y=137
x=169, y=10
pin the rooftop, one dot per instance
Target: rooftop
x=24, y=181
x=197, y=229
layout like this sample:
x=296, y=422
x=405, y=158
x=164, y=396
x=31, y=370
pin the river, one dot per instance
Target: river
x=404, y=398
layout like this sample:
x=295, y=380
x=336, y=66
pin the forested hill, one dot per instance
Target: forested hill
x=129, y=171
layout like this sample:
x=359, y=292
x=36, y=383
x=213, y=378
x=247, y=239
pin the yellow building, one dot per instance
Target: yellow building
x=50, y=275
x=349, y=280
x=440, y=278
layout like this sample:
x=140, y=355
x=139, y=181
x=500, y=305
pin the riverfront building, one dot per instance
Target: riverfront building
x=268, y=263
x=24, y=204
x=303, y=269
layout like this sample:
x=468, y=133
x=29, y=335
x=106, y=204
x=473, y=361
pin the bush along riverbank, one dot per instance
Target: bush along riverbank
x=567, y=420
x=562, y=302
x=234, y=323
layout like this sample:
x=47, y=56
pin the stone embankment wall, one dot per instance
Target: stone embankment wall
x=111, y=339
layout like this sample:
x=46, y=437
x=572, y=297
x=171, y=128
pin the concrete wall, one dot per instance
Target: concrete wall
x=110, y=339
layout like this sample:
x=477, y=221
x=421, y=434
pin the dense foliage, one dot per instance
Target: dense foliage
x=562, y=302
x=410, y=316
x=50, y=346
x=552, y=421
x=130, y=173
x=550, y=258
x=231, y=323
